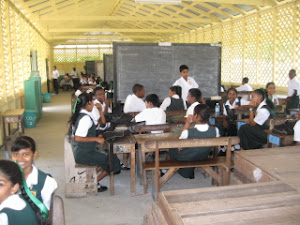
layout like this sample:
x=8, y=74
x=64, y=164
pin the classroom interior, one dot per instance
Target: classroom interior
x=260, y=40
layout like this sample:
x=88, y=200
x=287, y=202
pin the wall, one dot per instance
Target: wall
x=262, y=46
x=17, y=38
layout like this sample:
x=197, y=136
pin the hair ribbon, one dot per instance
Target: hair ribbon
x=78, y=100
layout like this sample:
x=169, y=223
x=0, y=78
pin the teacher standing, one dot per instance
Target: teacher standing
x=185, y=82
x=55, y=75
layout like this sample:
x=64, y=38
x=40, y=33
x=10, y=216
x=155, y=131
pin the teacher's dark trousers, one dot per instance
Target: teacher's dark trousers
x=55, y=85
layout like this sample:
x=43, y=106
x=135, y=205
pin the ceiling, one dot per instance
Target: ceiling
x=105, y=21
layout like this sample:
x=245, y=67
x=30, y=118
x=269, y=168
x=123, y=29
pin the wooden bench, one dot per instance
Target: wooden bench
x=57, y=212
x=80, y=180
x=223, y=163
x=160, y=127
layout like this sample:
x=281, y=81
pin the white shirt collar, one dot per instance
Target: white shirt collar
x=234, y=102
x=176, y=96
x=195, y=104
x=32, y=178
x=13, y=202
x=202, y=127
x=261, y=105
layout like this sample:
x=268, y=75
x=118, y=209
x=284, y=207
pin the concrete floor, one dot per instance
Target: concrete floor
x=120, y=209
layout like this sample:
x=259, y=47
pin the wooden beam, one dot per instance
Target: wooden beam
x=74, y=30
x=244, y=2
x=103, y=36
x=124, y=18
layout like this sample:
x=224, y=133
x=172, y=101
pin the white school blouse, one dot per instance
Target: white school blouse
x=262, y=114
x=55, y=74
x=244, y=87
x=14, y=202
x=243, y=102
x=84, y=124
x=49, y=187
x=293, y=84
x=190, y=110
x=199, y=127
x=186, y=85
x=297, y=131
x=134, y=104
x=167, y=102
x=152, y=116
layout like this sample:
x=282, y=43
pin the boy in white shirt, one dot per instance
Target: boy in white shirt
x=152, y=115
x=134, y=102
x=292, y=101
x=245, y=87
x=185, y=82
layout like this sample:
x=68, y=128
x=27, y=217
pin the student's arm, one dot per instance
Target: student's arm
x=49, y=187
x=3, y=218
x=202, y=100
x=100, y=140
x=107, y=103
x=251, y=118
x=294, y=94
x=102, y=120
x=165, y=104
x=297, y=132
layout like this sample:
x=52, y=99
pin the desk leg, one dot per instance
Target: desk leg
x=125, y=159
x=132, y=169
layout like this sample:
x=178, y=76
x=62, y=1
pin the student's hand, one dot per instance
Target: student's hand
x=98, y=105
x=100, y=135
x=100, y=140
x=287, y=99
x=252, y=104
x=107, y=101
x=189, y=119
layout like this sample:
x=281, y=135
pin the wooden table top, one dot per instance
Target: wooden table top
x=281, y=163
x=142, y=138
x=13, y=112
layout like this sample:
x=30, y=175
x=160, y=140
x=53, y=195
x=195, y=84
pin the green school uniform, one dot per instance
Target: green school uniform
x=176, y=104
x=16, y=216
x=253, y=137
x=86, y=152
x=193, y=154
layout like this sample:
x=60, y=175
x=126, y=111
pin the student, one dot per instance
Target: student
x=228, y=127
x=271, y=88
x=134, y=102
x=193, y=99
x=185, y=82
x=92, y=81
x=292, y=101
x=14, y=209
x=55, y=76
x=98, y=110
x=174, y=101
x=201, y=130
x=152, y=115
x=245, y=87
x=297, y=130
x=75, y=79
x=84, y=81
x=252, y=135
x=84, y=139
x=42, y=185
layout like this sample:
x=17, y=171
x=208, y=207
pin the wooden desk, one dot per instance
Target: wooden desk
x=141, y=140
x=279, y=140
x=127, y=145
x=12, y=116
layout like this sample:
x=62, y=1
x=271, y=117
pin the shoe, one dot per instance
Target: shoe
x=237, y=147
x=123, y=167
x=101, y=188
x=221, y=153
x=163, y=172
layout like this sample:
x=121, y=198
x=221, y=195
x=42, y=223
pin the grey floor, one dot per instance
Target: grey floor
x=120, y=209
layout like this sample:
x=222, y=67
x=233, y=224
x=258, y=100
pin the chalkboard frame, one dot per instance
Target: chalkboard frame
x=106, y=67
x=116, y=45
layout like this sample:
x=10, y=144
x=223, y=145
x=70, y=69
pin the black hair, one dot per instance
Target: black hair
x=196, y=93
x=262, y=92
x=23, y=142
x=137, y=87
x=12, y=172
x=269, y=84
x=153, y=98
x=231, y=89
x=183, y=67
x=82, y=101
x=97, y=89
x=293, y=71
x=203, y=111
x=105, y=85
x=246, y=80
x=177, y=90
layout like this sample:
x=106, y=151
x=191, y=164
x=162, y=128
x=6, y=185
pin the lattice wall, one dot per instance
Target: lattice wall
x=17, y=39
x=262, y=46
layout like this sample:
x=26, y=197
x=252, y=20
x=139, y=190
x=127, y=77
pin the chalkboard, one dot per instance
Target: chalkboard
x=108, y=60
x=156, y=67
x=90, y=67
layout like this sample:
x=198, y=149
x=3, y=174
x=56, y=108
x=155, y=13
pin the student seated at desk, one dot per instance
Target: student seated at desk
x=245, y=87
x=292, y=101
x=42, y=185
x=134, y=102
x=85, y=141
x=194, y=98
x=15, y=209
x=201, y=130
x=228, y=127
x=271, y=88
x=98, y=110
x=152, y=115
x=174, y=101
x=84, y=81
x=92, y=81
x=252, y=135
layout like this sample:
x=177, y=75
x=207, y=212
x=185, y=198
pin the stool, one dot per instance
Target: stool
x=9, y=117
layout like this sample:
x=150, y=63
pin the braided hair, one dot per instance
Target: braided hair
x=262, y=92
x=13, y=173
x=177, y=90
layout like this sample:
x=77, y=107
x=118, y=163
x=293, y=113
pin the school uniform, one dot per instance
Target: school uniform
x=41, y=185
x=86, y=152
x=190, y=110
x=134, y=104
x=185, y=85
x=253, y=137
x=297, y=131
x=172, y=103
x=96, y=115
x=275, y=100
x=244, y=87
x=152, y=116
x=16, y=211
x=55, y=75
x=293, y=84
x=237, y=102
x=197, y=153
